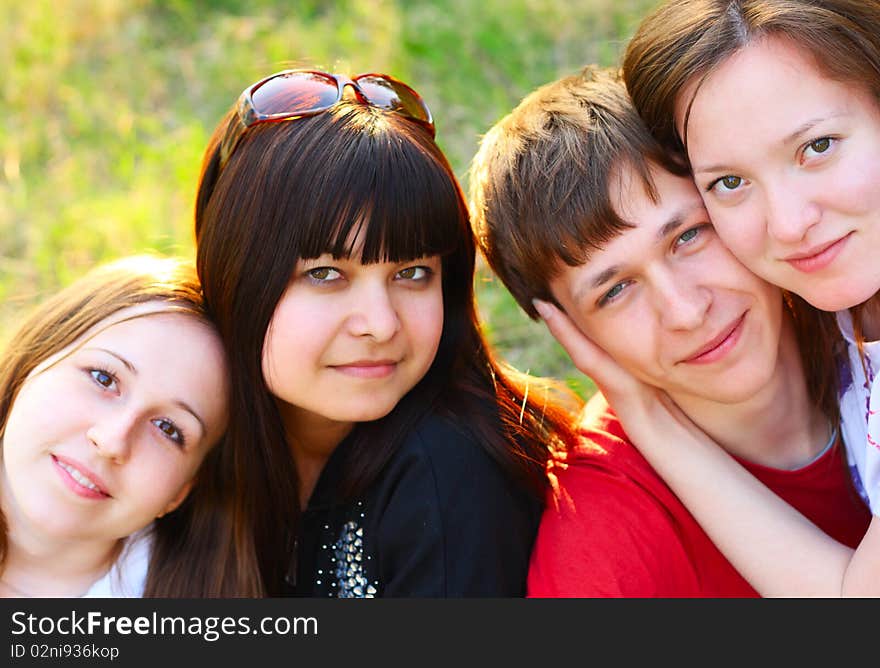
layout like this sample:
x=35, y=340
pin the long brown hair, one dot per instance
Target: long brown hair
x=191, y=555
x=297, y=190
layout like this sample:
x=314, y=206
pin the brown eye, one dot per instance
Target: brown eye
x=169, y=430
x=414, y=273
x=102, y=378
x=323, y=274
x=730, y=182
x=820, y=145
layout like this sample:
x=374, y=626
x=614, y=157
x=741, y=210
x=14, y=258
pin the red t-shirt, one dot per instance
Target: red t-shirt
x=613, y=528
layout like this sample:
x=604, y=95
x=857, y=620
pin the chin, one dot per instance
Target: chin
x=736, y=392
x=842, y=299
x=365, y=413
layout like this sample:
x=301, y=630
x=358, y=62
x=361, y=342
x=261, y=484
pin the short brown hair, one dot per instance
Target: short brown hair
x=540, y=182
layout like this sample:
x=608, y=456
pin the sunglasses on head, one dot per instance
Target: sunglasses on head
x=293, y=94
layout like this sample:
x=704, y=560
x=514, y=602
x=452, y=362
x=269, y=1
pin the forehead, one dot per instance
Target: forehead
x=678, y=204
x=769, y=84
x=629, y=196
x=142, y=325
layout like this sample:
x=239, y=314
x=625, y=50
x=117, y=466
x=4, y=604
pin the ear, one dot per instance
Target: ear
x=177, y=500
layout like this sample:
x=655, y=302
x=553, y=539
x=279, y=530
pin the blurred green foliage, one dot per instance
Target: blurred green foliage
x=108, y=105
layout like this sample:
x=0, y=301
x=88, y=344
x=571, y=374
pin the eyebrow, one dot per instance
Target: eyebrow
x=802, y=129
x=676, y=221
x=809, y=125
x=177, y=402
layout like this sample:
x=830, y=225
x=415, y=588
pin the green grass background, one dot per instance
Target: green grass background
x=108, y=105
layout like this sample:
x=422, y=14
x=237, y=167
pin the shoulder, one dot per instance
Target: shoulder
x=446, y=449
x=605, y=481
x=450, y=521
x=444, y=463
x=611, y=526
x=603, y=451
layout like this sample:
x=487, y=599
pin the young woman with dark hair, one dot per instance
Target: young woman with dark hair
x=384, y=451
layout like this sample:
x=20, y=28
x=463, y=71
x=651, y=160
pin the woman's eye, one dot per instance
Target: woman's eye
x=323, y=274
x=818, y=146
x=103, y=378
x=169, y=430
x=728, y=182
x=414, y=273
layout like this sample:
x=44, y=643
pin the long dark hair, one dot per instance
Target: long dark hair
x=193, y=555
x=297, y=190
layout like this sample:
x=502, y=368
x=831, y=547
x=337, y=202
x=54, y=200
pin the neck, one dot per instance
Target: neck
x=312, y=438
x=33, y=566
x=778, y=427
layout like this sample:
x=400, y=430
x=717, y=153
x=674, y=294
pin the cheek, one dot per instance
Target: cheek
x=27, y=423
x=854, y=185
x=630, y=338
x=156, y=478
x=426, y=323
x=295, y=338
x=741, y=230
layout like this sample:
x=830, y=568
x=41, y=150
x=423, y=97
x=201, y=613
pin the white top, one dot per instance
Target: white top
x=860, y=413
x=128, y=575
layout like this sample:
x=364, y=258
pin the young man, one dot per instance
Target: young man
x=574, y=204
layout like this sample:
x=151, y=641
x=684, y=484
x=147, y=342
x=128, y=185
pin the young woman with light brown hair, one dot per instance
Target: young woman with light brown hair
x=113, y=403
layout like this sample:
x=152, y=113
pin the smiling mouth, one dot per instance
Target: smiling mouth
x=718, y=347
x=367, y=369
x=81, y=483
x=818, y=258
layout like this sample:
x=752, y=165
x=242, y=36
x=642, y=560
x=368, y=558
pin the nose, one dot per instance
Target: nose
x=374, y=313
x=790, y=213
x=112, y=433
x=681, y=301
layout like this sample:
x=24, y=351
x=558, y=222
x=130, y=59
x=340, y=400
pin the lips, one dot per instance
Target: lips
x=367, y=368
x=719, y=345
x=79, y=478
x=818, y=257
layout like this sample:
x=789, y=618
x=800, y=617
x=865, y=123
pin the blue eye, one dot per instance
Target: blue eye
x=169, y=430
x=687, y=236
x=613, y=293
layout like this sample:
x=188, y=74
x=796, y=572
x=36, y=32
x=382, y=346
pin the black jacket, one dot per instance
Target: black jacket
x=442, y=520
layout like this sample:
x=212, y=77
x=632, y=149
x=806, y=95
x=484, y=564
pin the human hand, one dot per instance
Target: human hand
x=642, y=409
